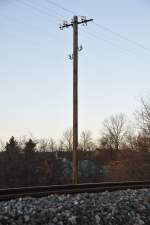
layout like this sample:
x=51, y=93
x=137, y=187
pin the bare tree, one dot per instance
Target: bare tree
x=114, y=131
x=61, y=145
x=43, y=145
x=68, y=139
x=52, y=145
x=2, y=146
x=86, y=142
x=47, y=145
x=143, y=116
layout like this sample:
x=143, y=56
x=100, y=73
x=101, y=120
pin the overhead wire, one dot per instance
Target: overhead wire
x=22, y=39
x=45, y=8
x=107, y=29
x=123, y=50
x=59, y=6
x=18, y=21
x=104, y=28
x=119, y=35
x=43, y=11
x=37, y=9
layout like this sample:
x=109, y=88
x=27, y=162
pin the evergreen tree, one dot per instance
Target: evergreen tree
x=29, y=146
x=12, y=146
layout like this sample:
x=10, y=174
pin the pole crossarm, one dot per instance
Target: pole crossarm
x=83, y=21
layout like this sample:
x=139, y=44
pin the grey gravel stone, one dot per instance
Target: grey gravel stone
x=72, y=219
x=26, y=218
x=98, y=219
x=130, y=207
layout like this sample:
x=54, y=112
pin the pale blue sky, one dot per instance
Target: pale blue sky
x=36, y=75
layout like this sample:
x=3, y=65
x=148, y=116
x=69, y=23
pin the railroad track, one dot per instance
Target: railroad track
x=41, y=191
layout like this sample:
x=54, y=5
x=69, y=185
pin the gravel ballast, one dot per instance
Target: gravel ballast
x=129, y=207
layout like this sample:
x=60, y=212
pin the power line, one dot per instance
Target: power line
x=102, y=27
x=22, y=39
x=55, y=13
x=35, y=8
x=117, y=34
x=18, y=21
x=107, y=29
x=61, y=7
x=122, y=50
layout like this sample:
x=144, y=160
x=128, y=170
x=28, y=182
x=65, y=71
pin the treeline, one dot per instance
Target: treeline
x=121, y=153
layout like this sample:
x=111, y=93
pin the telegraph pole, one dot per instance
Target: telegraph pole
x=74, y=24
x=75, y=100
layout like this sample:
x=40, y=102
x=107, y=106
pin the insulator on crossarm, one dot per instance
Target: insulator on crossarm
x=65, y=23
x=80, y=48
x=70, y=57
x=60, y=27
x=83, y=18
x=72, y=20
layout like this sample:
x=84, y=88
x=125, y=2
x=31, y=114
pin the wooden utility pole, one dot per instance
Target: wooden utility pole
x=74, y=57
x=75, y=100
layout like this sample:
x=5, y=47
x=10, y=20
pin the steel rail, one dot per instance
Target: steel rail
x=41, y=191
